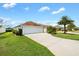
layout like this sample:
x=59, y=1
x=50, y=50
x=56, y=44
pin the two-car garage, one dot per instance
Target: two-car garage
x=31, y=27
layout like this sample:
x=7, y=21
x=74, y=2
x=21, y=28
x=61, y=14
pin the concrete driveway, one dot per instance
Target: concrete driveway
x=58, y=46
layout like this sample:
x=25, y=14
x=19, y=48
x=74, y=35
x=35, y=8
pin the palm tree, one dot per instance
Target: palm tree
x=65, y=20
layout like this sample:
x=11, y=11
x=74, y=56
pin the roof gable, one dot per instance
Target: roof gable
x=30, y=23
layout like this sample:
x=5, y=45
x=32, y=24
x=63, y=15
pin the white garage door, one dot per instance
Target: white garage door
x=32, y=29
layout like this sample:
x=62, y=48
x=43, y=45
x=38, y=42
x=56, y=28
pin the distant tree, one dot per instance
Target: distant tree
x=58, y=27
x=76, y=28
x=65, y=20
x=0, y=25
x=71, y=26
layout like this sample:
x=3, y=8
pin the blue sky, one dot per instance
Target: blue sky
x=45, y=13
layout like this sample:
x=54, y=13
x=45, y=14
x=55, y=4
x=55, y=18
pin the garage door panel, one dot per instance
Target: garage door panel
x=32, y=29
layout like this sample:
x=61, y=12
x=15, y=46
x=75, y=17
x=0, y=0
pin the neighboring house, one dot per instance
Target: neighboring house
x=2, y=29
x=32, y=27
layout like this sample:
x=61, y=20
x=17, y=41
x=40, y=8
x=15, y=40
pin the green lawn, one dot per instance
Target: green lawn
x=12, y=45
x=67, y=36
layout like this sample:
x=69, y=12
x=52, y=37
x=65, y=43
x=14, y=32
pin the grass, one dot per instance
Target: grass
x=12, y=45
x=67, y=36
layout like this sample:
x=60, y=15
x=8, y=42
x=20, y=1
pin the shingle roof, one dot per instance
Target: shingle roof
x=30, y=23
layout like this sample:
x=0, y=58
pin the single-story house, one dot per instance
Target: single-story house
x=2, y=29
x=32, y=27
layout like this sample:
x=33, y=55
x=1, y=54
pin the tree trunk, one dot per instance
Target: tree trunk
x=65, y=29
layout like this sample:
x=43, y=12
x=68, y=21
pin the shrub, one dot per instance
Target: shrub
x=18, y=32
x=14, y=31
x=8, y=29
x=51, y=30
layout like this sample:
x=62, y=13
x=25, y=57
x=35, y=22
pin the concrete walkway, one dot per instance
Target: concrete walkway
x=58, y=46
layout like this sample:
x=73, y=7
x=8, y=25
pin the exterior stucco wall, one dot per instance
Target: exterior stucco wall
x=2, y=29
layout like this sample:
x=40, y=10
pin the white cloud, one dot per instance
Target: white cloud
x=44, y=8
x=58, y=11
x=27, y=8
x=8, y=5
x=9, y=22
x=13, y=22
x=51, y=23
x=4, y=19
